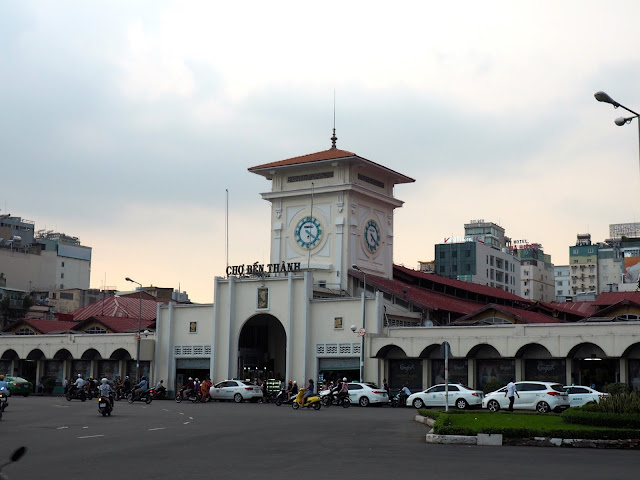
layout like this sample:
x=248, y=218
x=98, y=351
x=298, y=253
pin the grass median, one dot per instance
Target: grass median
x=519, y=425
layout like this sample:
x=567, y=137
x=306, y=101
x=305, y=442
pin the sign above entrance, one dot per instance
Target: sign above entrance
x=260, y=269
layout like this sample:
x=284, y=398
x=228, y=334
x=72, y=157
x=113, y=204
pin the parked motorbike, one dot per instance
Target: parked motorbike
x=144, y=396
x=399, y=400
x=104, y=406
x=193, y=396
x=311, y=402
x=78, y=393
x=14, y=458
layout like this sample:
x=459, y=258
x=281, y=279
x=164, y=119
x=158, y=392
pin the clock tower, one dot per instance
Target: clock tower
x=331, y=210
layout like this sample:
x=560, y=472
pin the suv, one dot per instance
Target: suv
x=540, y=396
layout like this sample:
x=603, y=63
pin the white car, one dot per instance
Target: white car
x=459, y=396
x=579, y=395
x=235, y=390
x=540, y=396
x=365, y=393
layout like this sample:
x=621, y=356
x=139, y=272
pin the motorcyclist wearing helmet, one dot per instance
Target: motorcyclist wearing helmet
x=343, y=393
x=126, y=385
x=189, y=388
x=160, y=388
x=77, y=385
x=105, y=390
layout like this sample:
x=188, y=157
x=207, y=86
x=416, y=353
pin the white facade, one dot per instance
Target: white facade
x=562, y=280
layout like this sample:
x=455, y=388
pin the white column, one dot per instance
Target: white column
x=214, y=327
x=308, y=288
x=232, y=345
x=288, y=326
x=339, y=265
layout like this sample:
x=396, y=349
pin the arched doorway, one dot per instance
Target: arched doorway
x=538, y=364
x=7, y=360
x=591, y=366
x=262, y=348
x=401, y=369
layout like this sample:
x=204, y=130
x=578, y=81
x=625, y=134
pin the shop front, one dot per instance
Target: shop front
x=334, y=369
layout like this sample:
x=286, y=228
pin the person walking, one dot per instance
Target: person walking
x=511, y=393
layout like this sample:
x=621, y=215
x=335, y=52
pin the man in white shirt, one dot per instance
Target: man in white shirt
x=511, y=393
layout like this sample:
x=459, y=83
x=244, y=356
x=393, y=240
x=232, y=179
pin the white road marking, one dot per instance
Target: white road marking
x=61, y=406
x=91, y=436
x=181, y=413
x=186, y=423
x=61, y=428
x=157, y=428
x=85, y=427
x=190, y=418
x=165, y=410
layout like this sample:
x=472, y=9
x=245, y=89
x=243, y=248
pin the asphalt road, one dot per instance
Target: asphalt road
x=248, y=441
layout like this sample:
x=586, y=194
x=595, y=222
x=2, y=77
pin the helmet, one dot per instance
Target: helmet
x=295, y=382
x=344, y=379
x=143, y=378
x=104, y=380
x=197, y=379
x=91, y=378
x=161, y=381
x=190, y=378
x=1, y=377
x=126, y=377
x=79, y=375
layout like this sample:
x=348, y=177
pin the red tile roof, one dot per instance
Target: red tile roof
x=118, y=307
x=421, y=297
x=404, y=273
x=331, y=154
x=519, y=315
x=46, y=326
x=611, y=298
x=580, y=309
x=117, y=324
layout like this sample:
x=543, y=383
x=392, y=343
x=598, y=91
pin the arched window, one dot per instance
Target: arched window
x=628, y=317
x=95, y=329
x=496, y=320
x=25, y=331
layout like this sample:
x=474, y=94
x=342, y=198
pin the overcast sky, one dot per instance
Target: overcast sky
x=122, y=123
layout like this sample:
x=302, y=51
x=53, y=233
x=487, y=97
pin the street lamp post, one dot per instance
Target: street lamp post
x=139, y=328
x=603, y=97
x=364, y=319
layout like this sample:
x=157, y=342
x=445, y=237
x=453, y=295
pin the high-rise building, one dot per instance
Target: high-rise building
x=536, y=272
x=583, y=265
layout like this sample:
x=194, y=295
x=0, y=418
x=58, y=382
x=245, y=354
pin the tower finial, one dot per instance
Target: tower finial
x=333, y=139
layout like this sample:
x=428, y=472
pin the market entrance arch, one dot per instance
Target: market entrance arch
x=262, y=348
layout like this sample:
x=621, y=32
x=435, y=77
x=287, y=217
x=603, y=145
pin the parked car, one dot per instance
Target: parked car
x=540, y=396
x=580, y=395
x=235, y=390
x=366, y=393
x=459, y=396
x=19, y=386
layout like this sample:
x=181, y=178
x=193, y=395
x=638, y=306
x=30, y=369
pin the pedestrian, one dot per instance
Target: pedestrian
x=65, y=385
x=386, y=388
x=511, y=393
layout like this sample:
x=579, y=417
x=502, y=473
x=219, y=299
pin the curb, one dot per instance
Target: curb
x=487, y=439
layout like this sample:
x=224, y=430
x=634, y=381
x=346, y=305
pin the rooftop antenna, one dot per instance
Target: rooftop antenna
x=333, y=137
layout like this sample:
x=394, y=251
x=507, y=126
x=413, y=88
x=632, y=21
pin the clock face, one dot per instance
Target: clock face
x=308, y=232
x=372, y=235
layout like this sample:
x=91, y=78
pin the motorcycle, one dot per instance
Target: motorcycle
x=311, y=402
x=282, y=398
x=328, y=399
x=159, y=394
x=195, y=397
x=14, y=458
x=145, y=396
x=78, y=393
x=104, y=406
x=399, y=400
x=4, y=403
x=121, y=393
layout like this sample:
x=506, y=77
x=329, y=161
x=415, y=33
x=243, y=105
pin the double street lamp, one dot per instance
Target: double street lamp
x=603, y=97
x=139, y=328
x=362, y=332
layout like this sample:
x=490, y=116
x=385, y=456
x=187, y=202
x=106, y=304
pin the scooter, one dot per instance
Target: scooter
x=329, y=398
x=14, y=458
x=145, y=396
x=282, y=398
x=312, y=402
x=104, y=406
x=194, y=397
x=78, y=393
x=400, y=399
